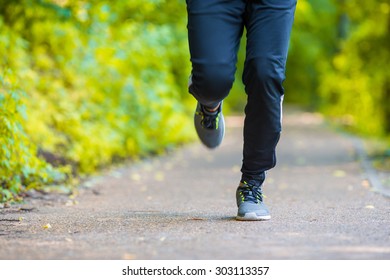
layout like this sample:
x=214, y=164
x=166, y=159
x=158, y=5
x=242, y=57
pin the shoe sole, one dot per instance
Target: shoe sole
x=253, y=217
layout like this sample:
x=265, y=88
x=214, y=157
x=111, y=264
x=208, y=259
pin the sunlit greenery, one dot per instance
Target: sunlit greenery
x=355, y=83
x=339, y=62
x=87, y=83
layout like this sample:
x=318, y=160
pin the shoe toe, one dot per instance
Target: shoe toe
x=253, y=211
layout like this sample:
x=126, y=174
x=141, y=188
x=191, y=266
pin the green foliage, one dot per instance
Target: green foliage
x=338, y=62
x=355, y=84
x=100, y=82
x=312, y=43
x=20, y=168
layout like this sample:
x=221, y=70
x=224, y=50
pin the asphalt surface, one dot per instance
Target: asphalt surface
x=182, y=206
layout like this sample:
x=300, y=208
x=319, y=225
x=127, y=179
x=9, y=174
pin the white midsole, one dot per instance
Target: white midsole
x=253, y=217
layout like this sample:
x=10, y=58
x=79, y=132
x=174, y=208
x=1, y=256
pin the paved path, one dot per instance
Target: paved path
x=182, y=206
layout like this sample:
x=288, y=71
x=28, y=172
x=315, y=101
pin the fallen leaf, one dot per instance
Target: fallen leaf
x=339, y=173
x=135, y=177
x=159, y=176
x=366, y=184
x=195, y=219
x=282, y=186
x=128, y=256
x=47, y=226
x=71, y=202
x=270, y=180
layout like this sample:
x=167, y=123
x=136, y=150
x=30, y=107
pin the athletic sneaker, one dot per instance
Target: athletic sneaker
x=210, y=126
x=250, y=202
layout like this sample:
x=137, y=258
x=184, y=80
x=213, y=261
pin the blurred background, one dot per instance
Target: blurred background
x=87, y=84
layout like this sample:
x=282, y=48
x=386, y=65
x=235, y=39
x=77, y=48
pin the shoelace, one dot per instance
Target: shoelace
x=209, y=121
x=251, y=193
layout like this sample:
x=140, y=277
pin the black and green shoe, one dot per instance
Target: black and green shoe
x=210, y=126
x=250, y=203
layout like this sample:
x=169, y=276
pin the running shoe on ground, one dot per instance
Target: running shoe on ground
x=250, y=202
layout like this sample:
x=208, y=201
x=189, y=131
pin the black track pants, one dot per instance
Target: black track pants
x=215, y=28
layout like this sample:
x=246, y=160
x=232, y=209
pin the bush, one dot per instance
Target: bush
x=355, y=83
x=341, y=67
x=88, y=84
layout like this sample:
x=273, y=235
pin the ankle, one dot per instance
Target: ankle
x=212, y=110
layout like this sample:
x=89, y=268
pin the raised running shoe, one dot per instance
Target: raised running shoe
x=210, y=126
